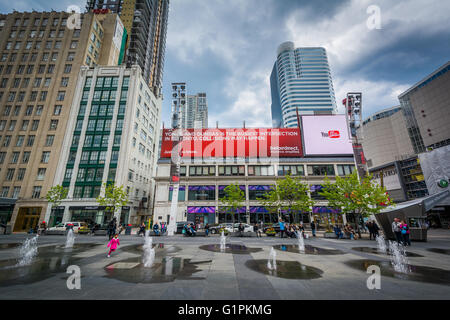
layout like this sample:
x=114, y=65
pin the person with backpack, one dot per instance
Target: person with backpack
x=405, y=233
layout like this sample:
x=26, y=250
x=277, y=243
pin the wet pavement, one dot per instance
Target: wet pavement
x=376, y=251
x=308, y=250
x=416, y=273
x=196, y=268
x=230, y=248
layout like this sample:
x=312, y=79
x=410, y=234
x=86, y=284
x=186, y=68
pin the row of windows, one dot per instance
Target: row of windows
x=15, y=192
x=37, y=82
x=29, y=69
x=15, y=156
x=283, y=170
x=21, y=173
x=24, y=127
x=208, y=193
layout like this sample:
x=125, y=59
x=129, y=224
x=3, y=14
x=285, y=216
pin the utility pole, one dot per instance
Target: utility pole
x=178, y=103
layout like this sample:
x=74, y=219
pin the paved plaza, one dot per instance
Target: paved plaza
x=195, y=268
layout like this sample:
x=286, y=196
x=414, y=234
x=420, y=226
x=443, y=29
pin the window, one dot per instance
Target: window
x=5, y=191
x=16, y=193
x=37, y=82
x=2, y=157
x=51, y=68
x=26, y=156
x=202, y=193
x=344, y=170
x=39, y=110
x=47, y=82
x=67, y=68
x=68, y=174
x=61, y=96
x=36, y=192
x=17, y=110
x=7, y=141
x=49, y=140
x=30, y=141
x=43, y=96
x=2, y=125
x=231, y=170
x=15, y=157
x=19, y=141
x=65, y=82
x=294, y=170
x=73, y=44
x=33, y=96
x=21, y=174
x=321, y=170
x=12, y=125
x=315, y=192
x=255, y=192
x=260, y=171
x=35, y=125
x=29, y=111
x=53, y=125
x=10, y=174
x=41, y=174
x=25, y=125
x=45, y=157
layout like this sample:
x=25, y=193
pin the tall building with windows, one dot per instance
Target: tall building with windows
x=300, y=79
x=196, y=112
x=40, y=58
x=146, y=24
x=112, y=137
x=192, y=110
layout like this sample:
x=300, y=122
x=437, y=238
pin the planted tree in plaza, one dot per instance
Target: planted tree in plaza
x=288, y=195
x=354, y=197
x=56, y=194
x=233, y=200
x=115, y=198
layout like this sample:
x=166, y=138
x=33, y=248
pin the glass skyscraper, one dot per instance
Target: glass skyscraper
x=300, y=79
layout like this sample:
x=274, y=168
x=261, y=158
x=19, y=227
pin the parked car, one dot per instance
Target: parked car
x=247, y=227
x=63, y=226
x=180, y=225
x=216, y=229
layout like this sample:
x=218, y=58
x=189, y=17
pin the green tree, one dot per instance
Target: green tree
x=56, y=194
x=233, y=200
x=289, y=195
x=115, y=198
x=354, y=197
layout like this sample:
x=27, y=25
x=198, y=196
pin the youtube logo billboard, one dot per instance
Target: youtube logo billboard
x=326, y=136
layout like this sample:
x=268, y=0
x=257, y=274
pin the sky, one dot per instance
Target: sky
x=227, y=48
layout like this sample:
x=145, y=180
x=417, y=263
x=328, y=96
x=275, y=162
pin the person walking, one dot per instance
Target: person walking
x=241, y=230
x=207, y=229
x=112, y=226
x=313, y=228
x=376, y=228
x=257, y=230
x=282, y=228
x=113, y=244
x=397, y=231
x=370, y=228
x=405, y=233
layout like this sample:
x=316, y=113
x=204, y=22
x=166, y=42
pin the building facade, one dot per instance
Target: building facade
x=202, y=186
x=300, y=79
x=196, y=112
x=111, y=137
x=40, y=58
x=146, y=24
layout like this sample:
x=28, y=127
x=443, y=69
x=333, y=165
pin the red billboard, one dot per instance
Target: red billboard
x=235, y=143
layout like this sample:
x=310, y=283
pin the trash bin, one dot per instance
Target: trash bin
x=127, y=230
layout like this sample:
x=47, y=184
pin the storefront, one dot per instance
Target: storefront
x=258, y=214
x=327, y=216
x=201, y=215
x=228, y=216
x=6, y=210
x=91, y=215
x=27, y=218
x=56, y=216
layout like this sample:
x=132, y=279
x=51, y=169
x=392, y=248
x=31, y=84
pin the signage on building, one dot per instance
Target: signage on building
x=100, y=11
x=326, y=135
x=235, y=143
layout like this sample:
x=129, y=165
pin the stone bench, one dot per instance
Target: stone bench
x=100, y=232
x=244, y=234
x=55, y=233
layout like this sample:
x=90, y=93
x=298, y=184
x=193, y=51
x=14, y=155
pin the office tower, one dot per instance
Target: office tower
x=300, y=79
x=111, y=137
x=196, y=115
x=40, y=58
x=146, y=25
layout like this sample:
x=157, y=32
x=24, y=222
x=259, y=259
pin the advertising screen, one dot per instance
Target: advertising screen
x=326, y=135
x=235, y=143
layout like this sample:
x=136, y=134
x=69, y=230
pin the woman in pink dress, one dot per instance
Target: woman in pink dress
x=113, y=244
